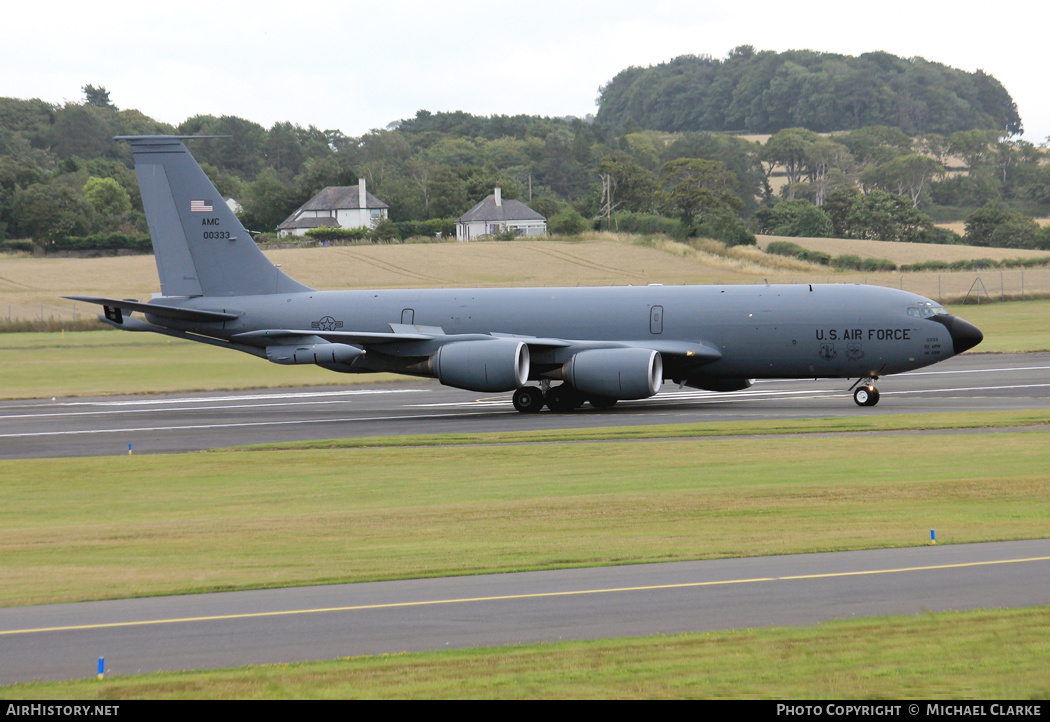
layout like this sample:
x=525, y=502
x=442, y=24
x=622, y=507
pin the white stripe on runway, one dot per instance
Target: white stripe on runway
x=238, y=425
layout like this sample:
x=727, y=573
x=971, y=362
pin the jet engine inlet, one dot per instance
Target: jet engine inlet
x=497, y=365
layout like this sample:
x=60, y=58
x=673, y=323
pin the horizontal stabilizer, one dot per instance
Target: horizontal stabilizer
x=175, y=313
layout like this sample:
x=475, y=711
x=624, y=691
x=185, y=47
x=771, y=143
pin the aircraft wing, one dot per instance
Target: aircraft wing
x=362, y=338
x=406, y=339
x=115, y=308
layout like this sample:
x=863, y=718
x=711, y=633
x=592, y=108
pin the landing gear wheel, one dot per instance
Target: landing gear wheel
x=866, y=395
x=528, y=399
x=564, y=398
x=602, y=402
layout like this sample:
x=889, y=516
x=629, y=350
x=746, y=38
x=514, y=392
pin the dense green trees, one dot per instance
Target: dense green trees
x=994, y=226
x=691, y=189
x=106, y=196
x=798, y=218
x=763, y=92
x=61, y=174
x=906, y=174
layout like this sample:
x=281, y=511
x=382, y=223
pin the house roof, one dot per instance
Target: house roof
x=487, y=210
x=309, y=222
x=336, y=197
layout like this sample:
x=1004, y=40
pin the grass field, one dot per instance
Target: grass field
x=32, y=288
x=124, y=526
x=903, y=253
x=946, y=656
x=44, y=365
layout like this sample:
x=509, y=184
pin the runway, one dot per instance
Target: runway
x=298, y=624
x=188, y=422
x=289, y=625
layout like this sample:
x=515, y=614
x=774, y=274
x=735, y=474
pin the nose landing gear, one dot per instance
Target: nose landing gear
x=864, y=391
x=866, y=395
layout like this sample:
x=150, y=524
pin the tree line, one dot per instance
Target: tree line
x=65, y=183
x=764, y=92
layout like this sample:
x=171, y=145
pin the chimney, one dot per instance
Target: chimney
x=499, y=196
x=362, y=196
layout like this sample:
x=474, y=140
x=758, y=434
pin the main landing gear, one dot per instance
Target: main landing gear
x=866, y=394
x=528, y=399
x=560, y=399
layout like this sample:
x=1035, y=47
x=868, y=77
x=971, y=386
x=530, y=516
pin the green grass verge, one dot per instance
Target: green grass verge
x=853, y=424
x=107, y=527
x=1011, y=327
x=952, y=655
x=42, y=365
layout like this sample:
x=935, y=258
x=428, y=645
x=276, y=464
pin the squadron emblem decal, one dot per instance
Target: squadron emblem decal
x=827, y=351
x=327, y=323
x=854, y=351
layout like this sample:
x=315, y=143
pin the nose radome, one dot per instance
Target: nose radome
x=964, y=334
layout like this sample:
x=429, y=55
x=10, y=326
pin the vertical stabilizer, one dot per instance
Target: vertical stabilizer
x=200, y=246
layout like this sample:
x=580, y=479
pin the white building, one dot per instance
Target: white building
x=495, y=215
x=337, y=206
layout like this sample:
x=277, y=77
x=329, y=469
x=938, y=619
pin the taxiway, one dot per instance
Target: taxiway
x=64, y=641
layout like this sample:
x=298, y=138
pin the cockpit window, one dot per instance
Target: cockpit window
x=926, y=310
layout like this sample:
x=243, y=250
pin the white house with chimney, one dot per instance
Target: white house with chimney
x=336, y=206
x=495, y=215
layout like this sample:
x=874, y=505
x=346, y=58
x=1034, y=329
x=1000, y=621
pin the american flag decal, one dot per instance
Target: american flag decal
x=200, y=207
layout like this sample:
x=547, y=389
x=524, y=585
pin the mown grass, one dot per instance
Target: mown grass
x=851, y=424
x=1012, y=327
x=42, y=365
x=951, y=655
x=109, y=527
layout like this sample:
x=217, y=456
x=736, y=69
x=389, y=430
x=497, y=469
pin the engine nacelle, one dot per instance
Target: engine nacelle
x=616, y=373
x=711, y=383
x=498, y=365
x=313, y=353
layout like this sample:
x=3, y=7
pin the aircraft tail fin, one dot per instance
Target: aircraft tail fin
x=200, y=246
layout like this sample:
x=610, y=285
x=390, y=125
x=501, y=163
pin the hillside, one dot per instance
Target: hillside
x=766, y=91
x=32, y=286
x=903, y=253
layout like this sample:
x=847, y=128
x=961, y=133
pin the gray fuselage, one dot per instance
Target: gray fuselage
x=777, y=331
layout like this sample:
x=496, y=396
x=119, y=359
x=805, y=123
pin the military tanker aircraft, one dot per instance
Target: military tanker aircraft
x=579, y=345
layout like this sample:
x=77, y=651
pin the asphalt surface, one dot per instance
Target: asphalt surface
x=188, y=422
x=289, y=625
